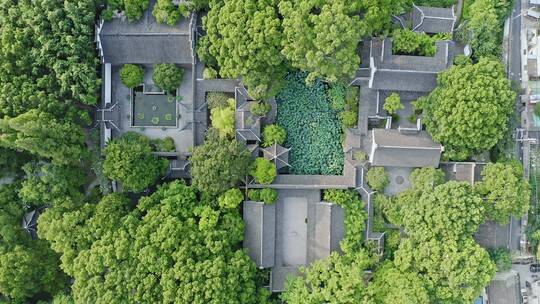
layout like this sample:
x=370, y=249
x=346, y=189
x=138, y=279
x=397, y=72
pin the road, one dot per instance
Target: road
x=514, y=74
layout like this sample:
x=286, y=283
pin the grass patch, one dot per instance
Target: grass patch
x=313, y=127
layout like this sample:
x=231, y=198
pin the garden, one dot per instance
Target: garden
x=153, y=104
x=312, y=115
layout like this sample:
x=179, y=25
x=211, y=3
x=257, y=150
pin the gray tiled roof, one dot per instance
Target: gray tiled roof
x=259, y=232
x=248, y=126
x=393, y=148
x=389, y=80
x=329, y=230
x=433, y=19
x=145, y=41
x=407, y=73
x=278, y=154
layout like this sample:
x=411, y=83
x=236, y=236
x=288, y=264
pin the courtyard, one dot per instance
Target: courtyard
x=153, y=110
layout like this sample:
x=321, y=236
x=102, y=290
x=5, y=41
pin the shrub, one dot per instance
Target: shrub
x=231, y=199
x=351, y=98
x=393, y=103
x=263, y=170
x=131, y=75
x=167, y=76
x=313, y=128
x=166, y=12
x=377, y=178
x=140, y=116
x=355, y=217
x=260, y=108
x=360, y=156
x=223, y=119
x=336, y=95
x=168, y=116
x=273, y=134
x=217, y=100
x=163, y=145
x=155, y=120
x=501, y=258
x=210, y=73
x=349, y=119
x=462, y=60
x=537, y=109
x=407, y=42
x=266, y=195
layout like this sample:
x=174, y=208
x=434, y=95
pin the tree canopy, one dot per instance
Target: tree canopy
x=27, y=267
x=453, y=272
x=451, y=209
x=47, y=56
x=41, y=134
x=219, y=164
x=469, y=110
x=321, y=37
x=148, y=251
x=244, y=39
x=129, y=159
x=337, y=279
x=505, y=190
x=392, y=286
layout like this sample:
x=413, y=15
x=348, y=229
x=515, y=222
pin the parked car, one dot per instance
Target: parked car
x=524, y=296
x=534, y=267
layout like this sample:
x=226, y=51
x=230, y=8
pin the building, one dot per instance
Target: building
x=393, y=148
x=147, y=109
x=296, y=231
x=433, y=20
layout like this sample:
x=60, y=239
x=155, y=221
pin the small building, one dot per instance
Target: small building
x=504, y=288
x=392, y=148
x=260, y=236
x=433, y=20
x=405, y=73
x=277, y=154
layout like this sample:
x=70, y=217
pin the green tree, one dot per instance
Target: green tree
x=392, y=286
x=377, y=178
x=502, y=258
x=273, y=134
x=393, y=103
x=48, y=60
x=42, y=134
x=355, y=217
x=485, y=26
x=321, y=36
x=426, y=179
x=27, y=267
x=263, y=170
x=336, y=279
x=452, y=209
x=132, y=8
x=168, y=76
x=48, y=184
x=408, y=42
x=453, y=272
x=223, y=119
x=469, y=110
x=11, y=162
x=219, y=164
x=217, y=100
x=505, y=191
x=231, y=198
x=129, y=160
x=266, y=195
x=244, y=38
x=131, y=75
x=167, y=235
